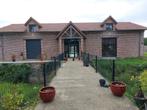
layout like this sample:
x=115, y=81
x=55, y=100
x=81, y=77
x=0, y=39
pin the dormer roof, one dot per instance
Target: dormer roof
x=32, y=19
x=110, y=19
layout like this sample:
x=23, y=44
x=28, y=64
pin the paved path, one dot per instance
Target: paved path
x=77, y=88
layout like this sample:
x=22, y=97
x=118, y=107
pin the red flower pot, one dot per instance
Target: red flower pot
x=47, y=94
x=118, y=88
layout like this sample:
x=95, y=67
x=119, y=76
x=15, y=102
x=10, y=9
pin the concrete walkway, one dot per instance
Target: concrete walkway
x=77, y=88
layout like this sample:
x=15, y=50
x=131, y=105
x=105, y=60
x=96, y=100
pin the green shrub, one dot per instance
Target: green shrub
x=21, y=95
x=15, y=73
x=145, y=41
x=143, y=80
x=12, y=100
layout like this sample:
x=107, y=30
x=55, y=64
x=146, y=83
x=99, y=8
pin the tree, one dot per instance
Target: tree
x=145, y=41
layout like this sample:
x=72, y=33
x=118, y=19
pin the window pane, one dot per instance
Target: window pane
x=109, y=26
x=32, y=28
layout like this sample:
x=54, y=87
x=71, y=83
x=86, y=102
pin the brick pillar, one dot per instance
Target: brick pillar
x=82, y=47
x=60, y=45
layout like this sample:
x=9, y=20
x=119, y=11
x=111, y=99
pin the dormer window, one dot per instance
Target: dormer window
x=109, y=26
x=32, y=28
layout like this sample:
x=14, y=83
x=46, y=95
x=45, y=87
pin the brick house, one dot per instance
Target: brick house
x=107, y=38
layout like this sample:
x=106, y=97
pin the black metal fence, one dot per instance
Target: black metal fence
x=51, y=67
x=100, y=64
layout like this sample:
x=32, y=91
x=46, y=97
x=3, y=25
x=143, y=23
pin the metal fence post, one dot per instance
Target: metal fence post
x=88, y=59
x=96, y=64
x=55, y=65
x=113, y=70
x=44, y=74
x=59, y=62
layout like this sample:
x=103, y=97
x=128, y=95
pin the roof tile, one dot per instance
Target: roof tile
x=56, y=27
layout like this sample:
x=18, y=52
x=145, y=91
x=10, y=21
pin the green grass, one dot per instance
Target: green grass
x=145, y=54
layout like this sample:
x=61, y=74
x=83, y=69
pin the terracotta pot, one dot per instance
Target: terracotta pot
x=118, y=88
x=47, y=94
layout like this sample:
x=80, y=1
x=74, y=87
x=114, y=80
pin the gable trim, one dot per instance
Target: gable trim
x=75, y=28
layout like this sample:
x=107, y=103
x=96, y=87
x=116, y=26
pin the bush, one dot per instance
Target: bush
x=18, y=96
x=145, y=41
x=143, y=80
x=15, y=73
x=12, y=100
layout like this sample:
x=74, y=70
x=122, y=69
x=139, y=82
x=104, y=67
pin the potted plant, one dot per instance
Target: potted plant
x=47, y=94
x=22, y=55
x=41, y=57
x=140, y=79
x=118, y=88
x=13, y=57
x=139, y=98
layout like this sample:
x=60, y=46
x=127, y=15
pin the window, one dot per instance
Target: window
x=32, y=28
x=109, y=26
x=109, y=47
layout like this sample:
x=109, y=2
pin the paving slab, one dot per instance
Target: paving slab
x=77, y=88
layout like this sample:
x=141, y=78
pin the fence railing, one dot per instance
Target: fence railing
x=98, y=63
x=52, y=66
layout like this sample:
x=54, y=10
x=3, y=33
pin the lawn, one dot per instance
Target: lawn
x=145, y=54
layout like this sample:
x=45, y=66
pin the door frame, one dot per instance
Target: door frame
x=69, y=46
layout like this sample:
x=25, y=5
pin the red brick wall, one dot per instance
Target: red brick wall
x=127, y=43
x=93, y=43
x=16, y=43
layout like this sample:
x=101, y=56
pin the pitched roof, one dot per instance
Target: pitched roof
x=129, y=26
x=57, y=27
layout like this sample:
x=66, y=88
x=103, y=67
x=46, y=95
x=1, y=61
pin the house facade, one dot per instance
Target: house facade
x=105, y=39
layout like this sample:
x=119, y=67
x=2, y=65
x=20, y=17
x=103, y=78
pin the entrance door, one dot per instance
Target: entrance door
x=71, y=48
x=33, y=48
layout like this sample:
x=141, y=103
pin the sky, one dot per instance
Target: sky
x=49, y=11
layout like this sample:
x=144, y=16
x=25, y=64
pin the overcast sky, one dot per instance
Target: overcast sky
x=46, y=11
